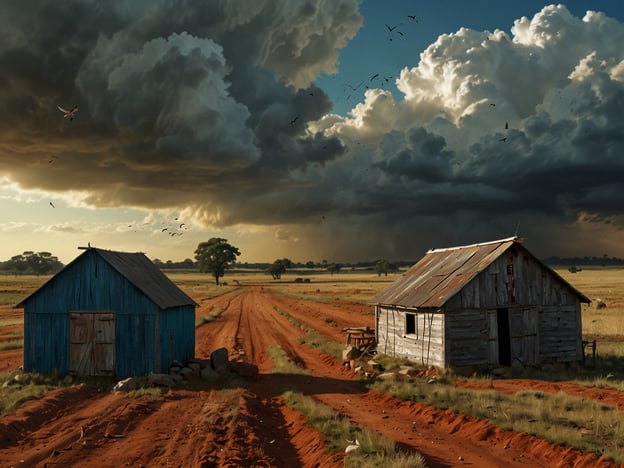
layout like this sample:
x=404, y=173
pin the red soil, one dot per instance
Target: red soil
x=248, y=424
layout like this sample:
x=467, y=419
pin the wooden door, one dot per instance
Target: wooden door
x=92, y=343
x=524, y=340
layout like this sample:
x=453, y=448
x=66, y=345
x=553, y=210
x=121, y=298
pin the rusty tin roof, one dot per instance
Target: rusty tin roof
x=442, y=273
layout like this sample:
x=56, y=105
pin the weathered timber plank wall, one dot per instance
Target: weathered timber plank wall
x=425, y=346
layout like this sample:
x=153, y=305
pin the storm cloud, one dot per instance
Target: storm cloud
x=212, y=108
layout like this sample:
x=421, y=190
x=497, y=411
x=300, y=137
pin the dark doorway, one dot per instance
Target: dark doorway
x=504, y=338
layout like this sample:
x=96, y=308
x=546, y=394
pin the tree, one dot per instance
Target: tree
x=41, y=263
x=215, y=256
x=334, y=268
x=277, y=269
x=385, y=267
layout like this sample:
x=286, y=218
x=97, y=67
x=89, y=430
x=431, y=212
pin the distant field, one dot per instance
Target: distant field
x=604, y=325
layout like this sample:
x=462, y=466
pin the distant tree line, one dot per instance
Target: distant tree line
x=32, y=263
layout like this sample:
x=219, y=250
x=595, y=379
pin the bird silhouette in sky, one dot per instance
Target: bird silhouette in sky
x=412, y=17
x=294, y=120
x=504, y=139
x=68, y=114
x=506, y=125
x=163, y=229
x=52, y=205
x=374, y=76
x=391, y=28
x=492, y=104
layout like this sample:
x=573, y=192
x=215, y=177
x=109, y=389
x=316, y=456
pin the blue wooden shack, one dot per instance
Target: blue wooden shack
x=108, y=313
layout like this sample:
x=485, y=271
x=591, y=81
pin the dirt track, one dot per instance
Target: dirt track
x=249, y=424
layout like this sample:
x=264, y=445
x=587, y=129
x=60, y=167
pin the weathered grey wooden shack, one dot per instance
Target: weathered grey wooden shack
x=108, y=313
x=487, y=304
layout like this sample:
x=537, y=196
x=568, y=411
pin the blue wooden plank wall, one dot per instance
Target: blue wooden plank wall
x=176, y=343
x=91, y=284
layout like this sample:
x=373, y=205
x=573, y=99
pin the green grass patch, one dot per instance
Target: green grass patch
x=560, y=419
x=11, y=344
x=377, y=449
x=313, y=338
x=282, y=364
x=15, y=394
x=211, y=316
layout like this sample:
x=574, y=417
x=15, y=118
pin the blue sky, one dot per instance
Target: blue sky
x=486, y=117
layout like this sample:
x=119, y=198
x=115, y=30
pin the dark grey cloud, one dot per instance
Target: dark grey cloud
x=212, y=107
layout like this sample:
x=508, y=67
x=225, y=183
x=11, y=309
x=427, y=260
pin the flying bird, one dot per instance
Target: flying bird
x=391, y=28
x=181, y=225
x=412, y=17
x=68, y=114
x=52, y=205
x=374, y=76
x=492, y=104
x=503, y=139
x=294, y=120
x=506, y=125
x=163, y=229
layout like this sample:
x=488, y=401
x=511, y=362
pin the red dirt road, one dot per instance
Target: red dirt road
x=245, y=422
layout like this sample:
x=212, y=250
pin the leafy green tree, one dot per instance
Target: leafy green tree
x=334, y=268
x=277, y=269
x=384, y=267
x=40, y=263
x=215, y=256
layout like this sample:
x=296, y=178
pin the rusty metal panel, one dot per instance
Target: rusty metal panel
x=440, y=275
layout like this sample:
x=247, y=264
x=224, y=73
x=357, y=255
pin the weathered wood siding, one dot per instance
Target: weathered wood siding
x=425, y=346
x=175, y=341
x=540, y=312
x=560, y=338
x=467, y=338
x=91, y=284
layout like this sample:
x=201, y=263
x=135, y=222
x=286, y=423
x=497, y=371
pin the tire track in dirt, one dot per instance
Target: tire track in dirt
x=281, y=435
x=249, y=424
x=438, y=435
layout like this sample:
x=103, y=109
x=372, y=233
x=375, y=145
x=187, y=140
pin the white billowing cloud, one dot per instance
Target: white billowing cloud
x=518, y=127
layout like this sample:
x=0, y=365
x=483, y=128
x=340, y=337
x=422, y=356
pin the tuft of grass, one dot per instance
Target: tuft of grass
x=15, y=394
x=282, y=364
x=313, y=338
x=212, y=315
x=377, y=449
x=11, y=344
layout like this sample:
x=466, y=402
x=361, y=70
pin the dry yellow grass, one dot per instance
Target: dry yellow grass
x=606, y=284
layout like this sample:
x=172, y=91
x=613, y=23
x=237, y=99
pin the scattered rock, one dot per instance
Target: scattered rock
x=219, y=360
x=208, y=373
x=22, y=378
x=186, y=373
x=386, y=376
x=164, y=380
x=126, y=385
x=194, y=366
x=244, y=369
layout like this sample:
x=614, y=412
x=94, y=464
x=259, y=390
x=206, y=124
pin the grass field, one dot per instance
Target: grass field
x=603, y=325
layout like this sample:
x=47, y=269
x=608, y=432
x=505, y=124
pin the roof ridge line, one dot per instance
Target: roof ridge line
x=445, y=249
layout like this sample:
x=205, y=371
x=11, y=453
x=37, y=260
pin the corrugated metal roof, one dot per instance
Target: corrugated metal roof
x=442, y=273
x=146, y=276
x=142, y=273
